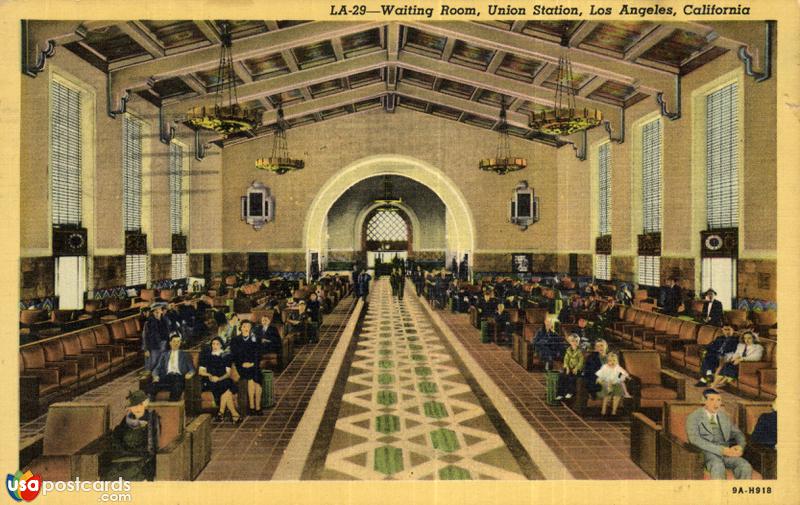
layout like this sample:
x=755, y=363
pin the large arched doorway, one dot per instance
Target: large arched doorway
x=323, y=235
x=386, y=237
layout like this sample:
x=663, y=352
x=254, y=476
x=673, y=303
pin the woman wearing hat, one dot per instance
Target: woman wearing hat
x=134, y=442
x=748, y=350
x=215, y=369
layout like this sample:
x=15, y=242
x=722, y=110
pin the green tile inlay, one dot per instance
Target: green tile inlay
x=445, y=440
x=385, y=352
x=422, y=371
x=415, y=347
x=387, y=423
x=435, y=410
x=427, y=388
x=411, y=338
x=388, y=460
x=453, y=472
x=387, y=397
x=385, y=363
x=418, y=357
x=385, y=378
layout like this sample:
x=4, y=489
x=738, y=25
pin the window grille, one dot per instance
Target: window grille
x=604, y=156
x=602, y=267
x=65, y=154
x=175, y=188
x=136, y=269
x=387, y=227
x=132, y=173
x=651, y=177
x=722, y=158
x=650, y=271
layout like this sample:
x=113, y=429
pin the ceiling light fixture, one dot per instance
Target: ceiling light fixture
x=503, y=162
x=227, y=117
x=565, y=118
x=279, y=161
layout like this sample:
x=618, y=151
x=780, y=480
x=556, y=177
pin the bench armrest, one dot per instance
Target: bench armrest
x=674, y=380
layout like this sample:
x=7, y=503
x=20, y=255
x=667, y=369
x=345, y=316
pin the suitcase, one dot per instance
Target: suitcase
x=485, y=337
x=267, y=390
x=551, y=383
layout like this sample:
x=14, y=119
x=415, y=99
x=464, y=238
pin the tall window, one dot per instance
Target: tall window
x=602, y=267
x=132, y=173
x=135, y=265
x=722, y=158
x=649, y=270
x=176, y=205
x=65, y=153
x=175, y=188
x=604, y=157
x=651, y=177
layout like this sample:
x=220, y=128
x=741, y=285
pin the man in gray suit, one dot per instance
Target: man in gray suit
x=711, y=430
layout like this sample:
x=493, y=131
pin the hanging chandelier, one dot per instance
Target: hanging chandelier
x=279, y=161
x=503, y=162
x=227, y=116
x=565, y=118
x=388, y=199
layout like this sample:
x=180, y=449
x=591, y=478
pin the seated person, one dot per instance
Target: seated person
x=711, y=430
x=297, y=320
x=268, y=335
x=723, y=345
x=488, y=305
x=611, y=378
x=584, y=340
x=748, y=350
x=593, y=363
x=502, y=324
x=246, y=355
x=624, y=296
x=712, y=309
x=573, y=366
x=215, y=369
x=173, y=369
x=548, y=344
x=766, y=431
x=314, y=307
x=134, y=442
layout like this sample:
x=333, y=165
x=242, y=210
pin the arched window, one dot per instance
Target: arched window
x=387, y=226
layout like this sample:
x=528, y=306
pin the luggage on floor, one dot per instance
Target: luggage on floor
x=551, y=383
x=267, y=391
x=485, y=337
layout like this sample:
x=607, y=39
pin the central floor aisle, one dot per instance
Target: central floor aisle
x=407, y=410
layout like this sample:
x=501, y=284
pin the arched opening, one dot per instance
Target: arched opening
x=326, y=237
x=386, y=237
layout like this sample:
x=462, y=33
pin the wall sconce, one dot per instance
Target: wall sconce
x=524, y=208
x=258, y=206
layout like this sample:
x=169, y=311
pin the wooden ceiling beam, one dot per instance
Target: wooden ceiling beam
x=295, y=80
x=583, y=31
x=144, y=37
x=248, y=47
x=648, y=41
x=496, y=83
x=333, y=101
x=461, y=104
x=543, y=50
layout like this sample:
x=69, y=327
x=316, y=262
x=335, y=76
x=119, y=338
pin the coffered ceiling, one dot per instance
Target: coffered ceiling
x=457, y=70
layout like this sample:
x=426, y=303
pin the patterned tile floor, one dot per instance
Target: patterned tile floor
x=252, y=450
x=591, y=448
x=407, y=412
